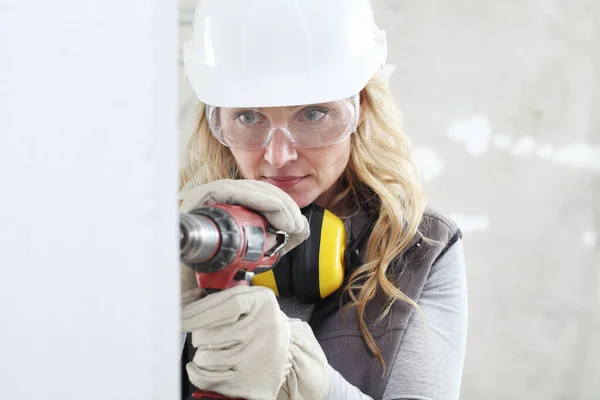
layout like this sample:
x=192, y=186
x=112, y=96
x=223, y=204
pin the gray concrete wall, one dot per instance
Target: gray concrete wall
x=501, y=99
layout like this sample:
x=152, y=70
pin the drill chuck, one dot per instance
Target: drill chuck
x=199, y=238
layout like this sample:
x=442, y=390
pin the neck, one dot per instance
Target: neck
x=343, y=208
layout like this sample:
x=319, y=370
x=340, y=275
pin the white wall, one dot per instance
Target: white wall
x=88, y=215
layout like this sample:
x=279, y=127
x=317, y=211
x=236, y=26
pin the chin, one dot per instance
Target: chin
x=302, y=199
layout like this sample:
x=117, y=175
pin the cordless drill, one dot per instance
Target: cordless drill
x=226, y=245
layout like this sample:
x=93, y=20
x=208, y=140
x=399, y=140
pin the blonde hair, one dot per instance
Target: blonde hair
x=380, y=163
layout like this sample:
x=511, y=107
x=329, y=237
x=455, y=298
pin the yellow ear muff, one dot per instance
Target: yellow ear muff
x=331, y=254
x=315, y=268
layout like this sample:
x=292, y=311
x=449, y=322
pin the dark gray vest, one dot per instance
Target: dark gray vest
x=338, y=332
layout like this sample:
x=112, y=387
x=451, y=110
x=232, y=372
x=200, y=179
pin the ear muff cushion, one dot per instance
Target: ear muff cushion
x=305, y=259
x=283, y=276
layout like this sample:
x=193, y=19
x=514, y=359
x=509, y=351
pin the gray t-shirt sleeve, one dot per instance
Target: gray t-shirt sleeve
x=429, y=363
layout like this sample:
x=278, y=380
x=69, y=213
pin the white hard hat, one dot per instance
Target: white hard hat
x=268, y=53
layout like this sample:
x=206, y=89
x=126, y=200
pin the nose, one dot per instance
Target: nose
x=280, y=150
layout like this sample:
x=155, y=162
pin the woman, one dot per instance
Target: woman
x=294, y=110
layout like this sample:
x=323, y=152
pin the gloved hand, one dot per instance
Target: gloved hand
x=274, y=204
x=247, y=347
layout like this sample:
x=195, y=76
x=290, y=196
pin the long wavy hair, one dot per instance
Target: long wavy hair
x=380, y=163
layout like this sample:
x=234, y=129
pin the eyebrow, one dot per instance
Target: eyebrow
x=289, y=108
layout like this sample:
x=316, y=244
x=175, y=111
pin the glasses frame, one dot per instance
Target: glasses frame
x=217, y=131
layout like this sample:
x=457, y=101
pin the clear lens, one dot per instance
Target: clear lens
x=310, y=126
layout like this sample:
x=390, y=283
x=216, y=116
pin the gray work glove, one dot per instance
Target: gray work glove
x=248, y=348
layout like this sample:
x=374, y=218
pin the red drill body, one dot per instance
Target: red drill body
x=227, y=244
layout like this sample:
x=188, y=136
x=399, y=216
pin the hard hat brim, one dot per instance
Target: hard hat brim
x=215, y=87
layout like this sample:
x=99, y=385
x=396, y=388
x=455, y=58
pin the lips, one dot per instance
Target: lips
x=284, y=182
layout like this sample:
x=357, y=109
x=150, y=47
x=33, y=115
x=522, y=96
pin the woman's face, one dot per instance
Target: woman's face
x=308, y=175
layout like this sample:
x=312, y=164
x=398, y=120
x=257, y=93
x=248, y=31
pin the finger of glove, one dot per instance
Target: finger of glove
x=203, y=195
x=299, y=220
x=224, y=308
x=273, y=203
x=301, y=225
x=228, y=337
x=232, y=191
x=207, y=378
x=265, y=320
x=300, y=230
x=217, y=360
x=258, y=196
x=218, y=309
x=229, y=383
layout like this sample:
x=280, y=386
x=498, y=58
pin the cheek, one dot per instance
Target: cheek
x=339, y=157
x=330, y=162
x=247, y=162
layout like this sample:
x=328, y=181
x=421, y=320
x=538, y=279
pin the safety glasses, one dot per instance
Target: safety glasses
x=309, y=126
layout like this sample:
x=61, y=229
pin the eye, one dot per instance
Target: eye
x=248, y=117
x=314, y=114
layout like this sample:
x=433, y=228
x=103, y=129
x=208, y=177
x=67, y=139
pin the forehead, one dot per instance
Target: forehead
x=287, y=108
x=336, y=106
